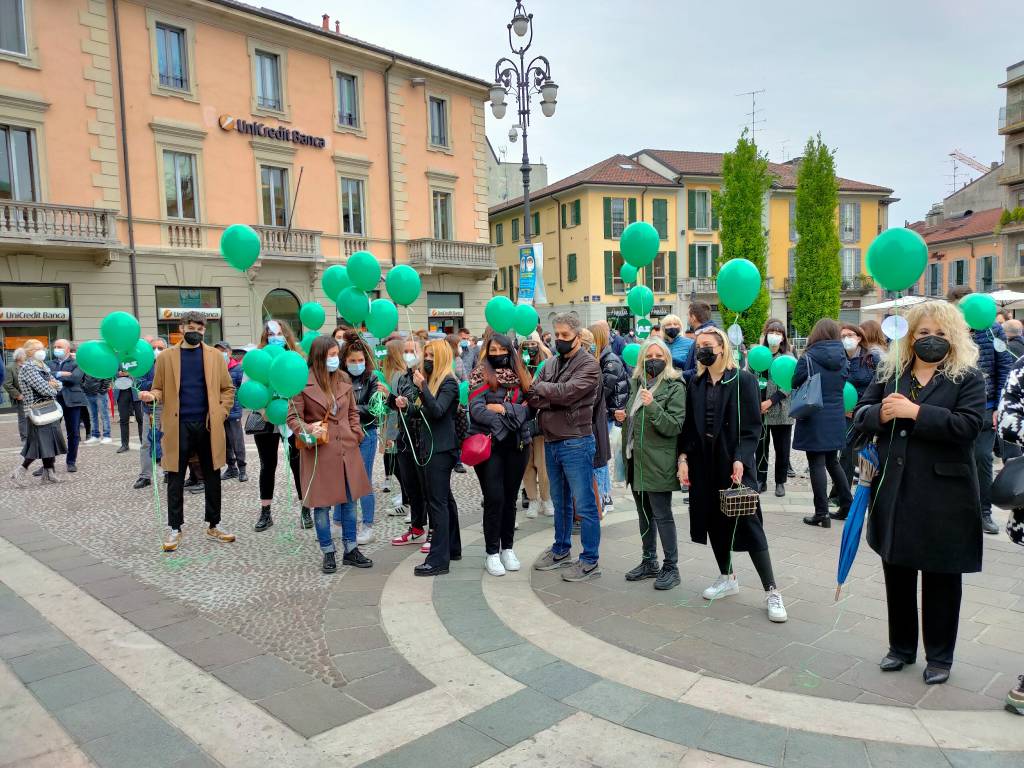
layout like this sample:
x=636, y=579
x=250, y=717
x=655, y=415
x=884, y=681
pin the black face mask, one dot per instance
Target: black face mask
x=653, y=368
x=706, y=356
x=931, y=349
x=564, y=347
x=672, y=332
x=193, y=338
x=498, y=361
x=428, y=367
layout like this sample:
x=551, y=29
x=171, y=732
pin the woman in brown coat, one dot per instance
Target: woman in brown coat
x=325, y=421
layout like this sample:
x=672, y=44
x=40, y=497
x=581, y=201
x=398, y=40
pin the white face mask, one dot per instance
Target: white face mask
x=156, y=351
x=774, y=339
x=410, y=359
x=850, y=343
x=39, y=354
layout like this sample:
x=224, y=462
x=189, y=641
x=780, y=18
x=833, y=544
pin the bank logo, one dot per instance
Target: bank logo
x=227, y=122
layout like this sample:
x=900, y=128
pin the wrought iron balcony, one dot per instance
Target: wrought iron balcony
x=428, y=254
x=858, y=284
x=300, y=244
x=701, y=286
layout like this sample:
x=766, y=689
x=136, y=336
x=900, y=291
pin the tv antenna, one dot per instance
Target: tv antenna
x=959, y=158
x=754, y=112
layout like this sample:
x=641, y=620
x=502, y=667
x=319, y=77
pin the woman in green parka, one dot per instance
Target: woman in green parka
x=651, y=421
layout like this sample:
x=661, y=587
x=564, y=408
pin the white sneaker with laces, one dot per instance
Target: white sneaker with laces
x=493, y=565
x=365, y=535
x=509, y=560
x=92, y=441
x=408, y=516
x=531, y=511
x=548, y=508
x=724, y=585
x=776, y=610
x=105, y=440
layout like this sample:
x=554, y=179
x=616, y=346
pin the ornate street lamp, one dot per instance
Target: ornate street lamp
x=525, y=79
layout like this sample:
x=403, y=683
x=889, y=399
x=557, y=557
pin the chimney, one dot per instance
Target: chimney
x=994, y=164
x=327, y=22
x=934, y=216
x=337, y=27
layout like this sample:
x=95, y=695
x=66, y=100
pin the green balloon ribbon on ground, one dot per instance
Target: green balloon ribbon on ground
x=896, y=258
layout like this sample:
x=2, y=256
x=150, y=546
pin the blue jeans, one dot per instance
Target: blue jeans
x=345, y=516
x=603, y=476
x=322, y=522
x=368, y=450
x=570, y=466
x=99, y=407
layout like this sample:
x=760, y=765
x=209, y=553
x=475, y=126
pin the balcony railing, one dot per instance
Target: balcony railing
x=427, y=253
x=859, y=284
x=702, y=286
x=184, y=234
x=1011, y=116
x=352, y=244
x=43, y=222
x=278, y=241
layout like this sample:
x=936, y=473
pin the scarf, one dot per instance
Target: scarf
x=507, y=378
x=634, y=409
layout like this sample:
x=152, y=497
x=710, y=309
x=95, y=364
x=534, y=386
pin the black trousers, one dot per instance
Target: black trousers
x=235, y=444
x=823, y=465
x=193, y=438
x=781, y=435
x=654, y=509
x=410, y=475
x=940, y=613
x=446, y=541
x=762, y=561
x=86, y=420
x=500, y=477
x=267, y=444
x=125, y=409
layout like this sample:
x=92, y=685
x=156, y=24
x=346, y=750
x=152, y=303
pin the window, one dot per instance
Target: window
x=442, y=207
x=281, y=304
x=274, y=190
x=180, y=185
x=985, y=274
x=702, y=210
x=933, y=281
x=17, y=164
x=618, y=287
x=618, y=217
x=570, y=262
x=181, y=297
x=957, y=273
x=348, y=101
x=515, y=229
x=352, y=210
x=172, y=57
x=268, y=80
x=438, y=122
x=571, y=214
x=499, y=234
x=658, y=280
x=704, y=261
x=12, y=27
x=850, y=261
x=849, y=222
x=535, y=223
x=660, y=216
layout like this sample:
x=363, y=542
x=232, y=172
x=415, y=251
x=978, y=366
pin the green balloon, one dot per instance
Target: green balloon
x=273, y=350
x=781, y=372
x=363, y=270
x=630, y=354
x=525, y=320
x=759, y=358
x=849, y=397
x=639, y=244
x=139, y=361
x=739, y=282
x=896, y=258
x=335, y=279
x=288, y=374
x=253, y=395
x=120, y=330
x=312, y=315
x=640, y=300
x=240, y=246
x=500, y=314
x=403, y=285
x=97, y=359
x=353, y=305
x=628, y=273
x=307, y=340
x=277, y=412
x=464, y=393
x=383, y=317
x=256, y=365
x=979, y=310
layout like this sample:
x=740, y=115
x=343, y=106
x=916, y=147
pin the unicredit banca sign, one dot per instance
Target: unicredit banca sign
x=280, y=132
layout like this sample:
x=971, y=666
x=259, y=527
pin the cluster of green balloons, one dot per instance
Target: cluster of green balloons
x=240, y=246
x=739, y=282
x=274, y=375
x=503, y=316
x=121, y=347
x=349, y=284
x=979, y=310
x=896, y=259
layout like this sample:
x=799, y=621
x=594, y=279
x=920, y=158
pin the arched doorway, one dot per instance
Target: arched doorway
x=282, y=304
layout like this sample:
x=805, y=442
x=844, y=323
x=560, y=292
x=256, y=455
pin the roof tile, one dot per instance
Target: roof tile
x=977, y=224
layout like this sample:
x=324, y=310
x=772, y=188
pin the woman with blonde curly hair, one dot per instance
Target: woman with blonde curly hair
x=926, y=408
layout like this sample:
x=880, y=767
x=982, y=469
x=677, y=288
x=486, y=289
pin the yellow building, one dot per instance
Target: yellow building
x=580, y=218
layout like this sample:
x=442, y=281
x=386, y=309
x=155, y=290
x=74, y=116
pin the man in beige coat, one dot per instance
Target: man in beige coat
x=192, y=383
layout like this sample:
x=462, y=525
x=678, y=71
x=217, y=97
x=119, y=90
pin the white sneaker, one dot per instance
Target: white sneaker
x=105, y=440
x=548, y=508
x=365, y=535
x=92, y=441
x=408, y=516
x=609, y=505
x=723, y=586
x=776, y=610
x=531, y=511
x=509, y=560
x=493, y=565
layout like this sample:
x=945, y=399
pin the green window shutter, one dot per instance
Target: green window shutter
x=607, y=220
x=571, y=266
x=660, y=216
x=536, y=223
x=576, y=212
x=691, y=209
x=609, y=274
x=673, y=272
x=632, y=210
x=714, y=213
x=515, y=229
x=693, y=261
x=649, y=276
x=563, y=215
x=715, y=249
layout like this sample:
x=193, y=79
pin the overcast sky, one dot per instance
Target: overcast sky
x=893, y=86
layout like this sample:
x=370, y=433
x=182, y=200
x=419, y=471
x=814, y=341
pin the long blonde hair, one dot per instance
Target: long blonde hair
x=670, y=371
x=443, y=359
x=393, y=361
x=963, y=352
x=730, y=361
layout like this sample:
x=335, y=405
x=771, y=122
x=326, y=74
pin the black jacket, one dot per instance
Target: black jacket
x=437, y=418
x=925, y=512
x=363, y=388
x=71, y=393
x=826, y=429
x=615, y=382
x=500, y=426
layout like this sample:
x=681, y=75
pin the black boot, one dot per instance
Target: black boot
x=824, y=521
x=242, y=477
x=330, y=563
x=307, y=518
x=357, y=559
x=265, y=520
x=668, y=578
x=648, y=569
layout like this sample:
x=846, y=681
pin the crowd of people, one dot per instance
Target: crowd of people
x=546, y=415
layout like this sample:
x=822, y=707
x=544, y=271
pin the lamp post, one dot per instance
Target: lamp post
x=525, y=79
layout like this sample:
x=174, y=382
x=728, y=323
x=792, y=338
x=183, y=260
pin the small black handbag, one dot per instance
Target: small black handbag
x=1008, y=487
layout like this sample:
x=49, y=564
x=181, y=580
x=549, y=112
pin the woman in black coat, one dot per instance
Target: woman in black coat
x=926, y=407
x=716, y=450
x=615, y=392
x=823, y=434
x=863, y=364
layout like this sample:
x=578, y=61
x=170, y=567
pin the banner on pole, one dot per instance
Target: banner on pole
x=531, y=274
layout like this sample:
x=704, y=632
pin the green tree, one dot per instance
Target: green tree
x=740, y=206
x=818, y=271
